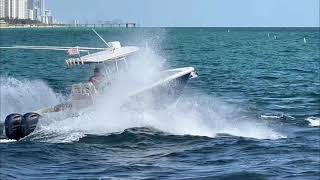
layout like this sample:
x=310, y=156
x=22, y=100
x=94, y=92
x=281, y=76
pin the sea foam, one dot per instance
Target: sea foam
x=313, y=121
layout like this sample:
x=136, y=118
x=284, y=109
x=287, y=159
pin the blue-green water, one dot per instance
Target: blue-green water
x=245, y=117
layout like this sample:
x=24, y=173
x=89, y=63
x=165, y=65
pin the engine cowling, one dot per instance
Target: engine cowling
x=29, y=123
x=13, y=126
x=18, y=126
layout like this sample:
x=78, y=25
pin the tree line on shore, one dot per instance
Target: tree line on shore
x=20, y=21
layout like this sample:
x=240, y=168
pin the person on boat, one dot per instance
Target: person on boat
x=98, y=78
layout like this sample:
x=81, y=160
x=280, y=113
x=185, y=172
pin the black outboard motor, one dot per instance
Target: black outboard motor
x=29, y=123
x=13, y=126
x=18, y=126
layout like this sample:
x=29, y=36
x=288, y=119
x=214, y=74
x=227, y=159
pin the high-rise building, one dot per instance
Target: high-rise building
x=21, y=8
x=14, y=9
x=2, y=9
x=7, y=8
x=47, y=17
x=36, y=14
x=40, y=4
x=36, y=11
x=39, y=10
x=30, y=14
x=26, y=9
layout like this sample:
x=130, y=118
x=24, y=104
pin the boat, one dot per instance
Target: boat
x=164, y=90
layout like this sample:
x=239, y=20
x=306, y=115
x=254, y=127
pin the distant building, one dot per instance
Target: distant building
x=36, y=14
x=46, y=17
x=7, y=8
x=21, y=9
x=18, y=9
x=31, y=14
x=50, y=20
x=13, y=9
x=76, y=22
x=41, y=13
x=36, y=6
x=2, y=9
x=40, y=5
x=26, y=9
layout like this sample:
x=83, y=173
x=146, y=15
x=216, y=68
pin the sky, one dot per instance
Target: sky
x=191, y=13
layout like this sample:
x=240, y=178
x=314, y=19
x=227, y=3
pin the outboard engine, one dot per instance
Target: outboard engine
x=18, y=126
x=29, y=123
x=13, y=126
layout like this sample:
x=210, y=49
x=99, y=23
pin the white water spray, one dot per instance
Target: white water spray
x=21, y=96
x=313, y=121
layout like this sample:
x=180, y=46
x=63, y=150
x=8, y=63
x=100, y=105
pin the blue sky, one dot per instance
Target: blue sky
x=159, y=13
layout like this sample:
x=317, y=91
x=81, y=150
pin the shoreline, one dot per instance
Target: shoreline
x=30, y=26
x=14, y=26
x=83, y=26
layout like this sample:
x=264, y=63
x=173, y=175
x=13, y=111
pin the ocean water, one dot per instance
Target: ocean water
x=253, y=112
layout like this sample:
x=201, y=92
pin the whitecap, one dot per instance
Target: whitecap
x=313, y=121
x=7, y=140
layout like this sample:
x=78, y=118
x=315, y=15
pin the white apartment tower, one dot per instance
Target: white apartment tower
x=2, y=9
x=38, y=7
x=25, y=9
x=14, y=9
x=21, y=9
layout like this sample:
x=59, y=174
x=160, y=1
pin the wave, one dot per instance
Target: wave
x=283, y=117
x=313, y=121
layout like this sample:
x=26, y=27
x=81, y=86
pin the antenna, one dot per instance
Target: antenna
x=100, y=37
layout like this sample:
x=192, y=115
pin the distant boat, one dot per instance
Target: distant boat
x=275, y=37
x=304, y=40
x=228, y=30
